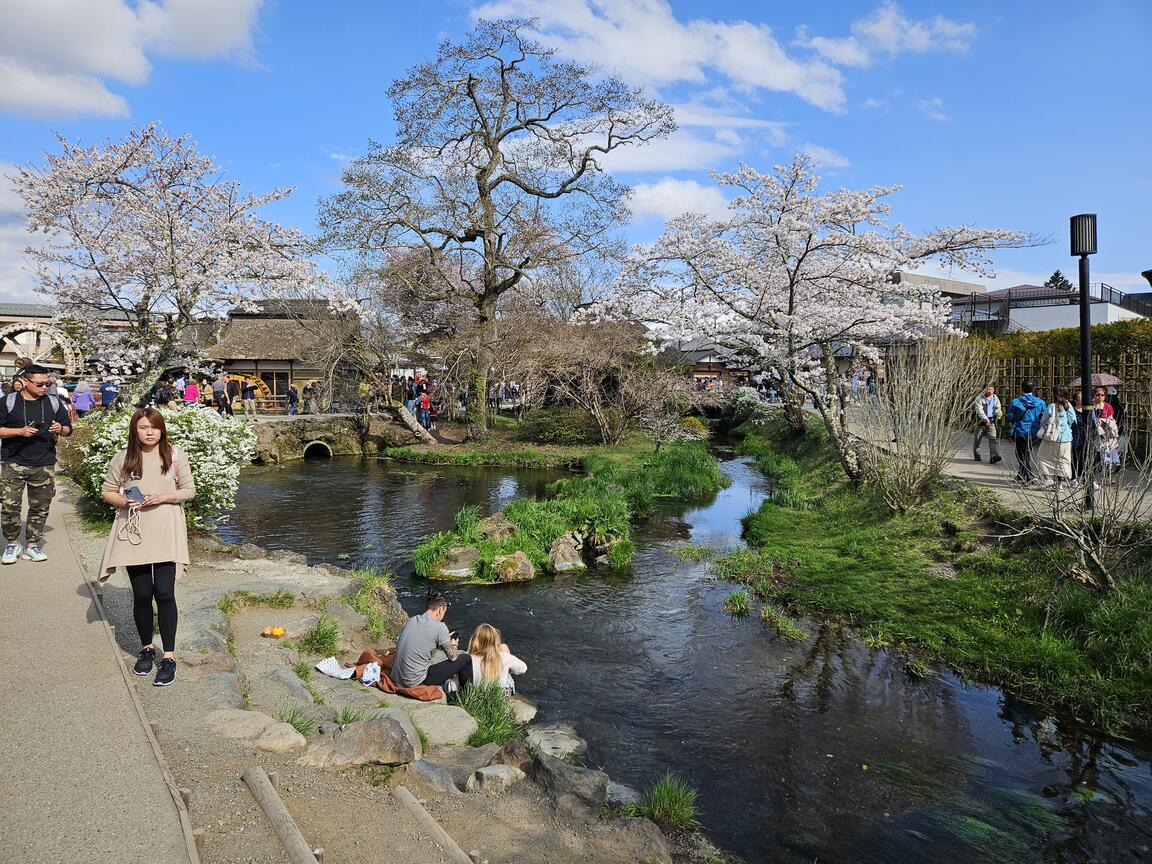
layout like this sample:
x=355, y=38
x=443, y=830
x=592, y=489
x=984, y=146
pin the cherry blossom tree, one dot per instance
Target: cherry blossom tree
x=494, y=175
x=795, y=278
x=146, y=232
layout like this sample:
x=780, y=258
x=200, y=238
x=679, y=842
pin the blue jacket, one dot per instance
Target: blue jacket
x=1024, y=414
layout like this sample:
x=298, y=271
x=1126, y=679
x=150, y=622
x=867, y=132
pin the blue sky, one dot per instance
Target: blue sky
x=1014, y=114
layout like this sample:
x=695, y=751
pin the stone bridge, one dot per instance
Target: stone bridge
x=279, y=439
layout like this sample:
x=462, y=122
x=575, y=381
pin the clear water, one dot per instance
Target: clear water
x=823, y=750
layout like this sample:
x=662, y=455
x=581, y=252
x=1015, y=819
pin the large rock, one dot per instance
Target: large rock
x=223, y=689
x=459, y=562
x=556, y=739
x=566, y=553
x=641, y=840
x=516, y=567
x=576, y=792
x=405, y=720
x=618, y=794
x=279, y=738
x=513, y=753
x=463, y=762
x=370, y=742
x=288, y=556
x=494, y=779
x=444, y=724
x=233, y=723
x=284, y=686
x=249, y=552
x=523, y=709
x=497, y=527
x=431, y=776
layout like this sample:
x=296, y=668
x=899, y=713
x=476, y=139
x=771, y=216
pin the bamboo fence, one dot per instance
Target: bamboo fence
x=1134, y=369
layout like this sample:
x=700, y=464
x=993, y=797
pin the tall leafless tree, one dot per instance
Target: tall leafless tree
x=495, y=173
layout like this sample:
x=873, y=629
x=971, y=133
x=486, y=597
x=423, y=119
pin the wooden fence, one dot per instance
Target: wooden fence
x=1134, y=369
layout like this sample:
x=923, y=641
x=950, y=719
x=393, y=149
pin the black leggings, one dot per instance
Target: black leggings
x=154, y=581
x=442, y=671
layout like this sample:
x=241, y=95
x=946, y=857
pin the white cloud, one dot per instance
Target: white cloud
x=16, y=282
x=888, y=31
x=933, y=109
x=680, y=151
x=872, y=104
x=644, y=42
x=826, y=157
x=668, y=198
x=55, y=55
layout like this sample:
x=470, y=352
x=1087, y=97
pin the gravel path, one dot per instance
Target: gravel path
x=81, y=780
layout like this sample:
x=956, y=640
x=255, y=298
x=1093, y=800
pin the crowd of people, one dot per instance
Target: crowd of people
x=1055, y=441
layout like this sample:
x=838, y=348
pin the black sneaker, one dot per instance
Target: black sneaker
x=144, y=661
x=976, y=456
x=166, y=674
x=996, y=459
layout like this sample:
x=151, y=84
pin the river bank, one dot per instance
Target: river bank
x=836, y=752
x=241, y=699
x=943, y=583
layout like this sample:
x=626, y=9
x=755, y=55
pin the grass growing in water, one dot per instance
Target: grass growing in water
x=295, y=717
x=492, y=711
x=784, y=625
x=322, y=638
x=736, y=603
x=671, y=803
x=847, y=556
x=693, y=552
x=466, y=457
x=600, y=504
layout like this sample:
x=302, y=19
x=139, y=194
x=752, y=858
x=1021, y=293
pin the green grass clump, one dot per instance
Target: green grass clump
x=368, y=602
x=295, y=717
x=233, y=600
x=347, y=716
x=693, y=552
x=303, y=671
x=424, y=742
x=599, y=504
x=671, y=803
x=736, y=603
x=784, y=625
x=466, y=457
x=492, y=711
x=322, y=638
x=382, y=776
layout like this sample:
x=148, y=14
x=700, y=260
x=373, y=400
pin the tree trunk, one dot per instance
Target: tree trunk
x=478, y=415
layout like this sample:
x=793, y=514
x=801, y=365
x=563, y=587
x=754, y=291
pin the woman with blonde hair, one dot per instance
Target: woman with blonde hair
x=492, y=660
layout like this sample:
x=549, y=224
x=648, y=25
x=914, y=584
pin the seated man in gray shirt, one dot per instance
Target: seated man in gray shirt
x=421, y=636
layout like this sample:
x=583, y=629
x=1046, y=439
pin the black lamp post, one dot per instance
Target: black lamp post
x=1083, y=243
x=1083, y=236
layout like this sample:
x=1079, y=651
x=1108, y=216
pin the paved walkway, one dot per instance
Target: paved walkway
x=81, y=780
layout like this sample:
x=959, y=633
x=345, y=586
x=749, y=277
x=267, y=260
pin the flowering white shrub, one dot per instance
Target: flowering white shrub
x=216, y=447
x=744, y=403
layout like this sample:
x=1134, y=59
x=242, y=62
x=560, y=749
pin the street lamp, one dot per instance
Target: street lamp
x=1083, y=243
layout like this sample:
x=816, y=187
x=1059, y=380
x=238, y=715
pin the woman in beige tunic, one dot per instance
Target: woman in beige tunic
x=149, y=536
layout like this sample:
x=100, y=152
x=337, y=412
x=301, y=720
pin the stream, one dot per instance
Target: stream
x=822, y=750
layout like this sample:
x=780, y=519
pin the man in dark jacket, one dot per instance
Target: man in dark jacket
x=1024, y=418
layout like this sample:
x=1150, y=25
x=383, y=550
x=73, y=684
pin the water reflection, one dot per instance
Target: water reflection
x=821, y=750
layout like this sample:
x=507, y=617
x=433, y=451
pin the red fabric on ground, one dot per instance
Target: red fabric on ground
x=423, y=692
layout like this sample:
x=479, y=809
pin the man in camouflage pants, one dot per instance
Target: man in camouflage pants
x=30, y=423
